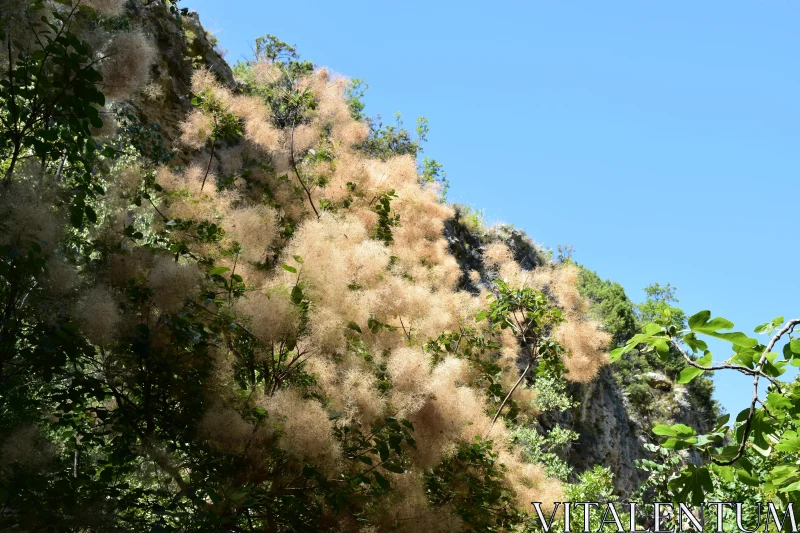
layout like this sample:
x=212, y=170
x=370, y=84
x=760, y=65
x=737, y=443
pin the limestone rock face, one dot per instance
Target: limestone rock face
x=658, y=381
x=183, y=45
x=609, y=434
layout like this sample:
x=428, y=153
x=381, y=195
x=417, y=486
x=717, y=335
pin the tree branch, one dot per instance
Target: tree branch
x=748, y=425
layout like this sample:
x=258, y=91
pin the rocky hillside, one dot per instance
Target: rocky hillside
x=234, y=302
x=612, y=427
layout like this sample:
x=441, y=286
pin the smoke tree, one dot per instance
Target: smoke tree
x=258, y=326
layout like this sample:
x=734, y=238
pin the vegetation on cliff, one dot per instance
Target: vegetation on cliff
x=230, y=302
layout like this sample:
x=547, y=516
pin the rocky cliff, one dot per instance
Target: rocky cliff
x=612, y=429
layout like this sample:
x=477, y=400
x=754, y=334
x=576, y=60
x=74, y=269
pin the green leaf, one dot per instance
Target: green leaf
x=794, y=487
x=218, y=271
x=737, y=338
x=695, y=344
x=214, y=496
x=703, y=323
x=383, y=451
x=782, y=474
x=616, y=354
x=480, y=316
x=392, y=467
x=769, y=327
x=677, y=430
x=699, y=319
x=382, y=481
x=688, y=374
x=651, y=329
x=298, y=259
x=236, y=496
x=288, y=268
x=692, y=484
x=674, y=443
x=790, y=443
x=725, y=472
x=662, y=348
x=700, y=322
x=778, y=402
x=297, y=294
x=354, y=327
x=76, y=216
x=747, y=478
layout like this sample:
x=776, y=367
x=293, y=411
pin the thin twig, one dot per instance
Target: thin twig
x=297, y=172
x=210, y=159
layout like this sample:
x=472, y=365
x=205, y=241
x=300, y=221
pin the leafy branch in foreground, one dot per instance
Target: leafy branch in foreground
x=768, y=426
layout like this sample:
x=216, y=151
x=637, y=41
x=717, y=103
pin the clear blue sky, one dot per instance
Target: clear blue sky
x=660, y=139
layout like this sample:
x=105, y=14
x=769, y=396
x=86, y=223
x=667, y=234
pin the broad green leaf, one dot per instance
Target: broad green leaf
x=703, y=323
x=746, y=478
x=218, y=270
x=382, y=481
x=775, y=369
x=794, y=487
x=769, y=327
x=695, y=344
x=674, y=443
x=790, y=443
x=651, y=329
x=288, y=268
x=239, y=495
x=214, y=496
x=392, y=467
x=783, y=473
x=677, y=430
x=777, y=401
x=736, y=338
x=662, y=347
x=692, y=484
x=297, y=294
x=725, y=472
x=698, y=319
x=688, y=374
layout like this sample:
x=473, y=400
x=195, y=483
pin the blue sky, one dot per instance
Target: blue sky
x=659, y=139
